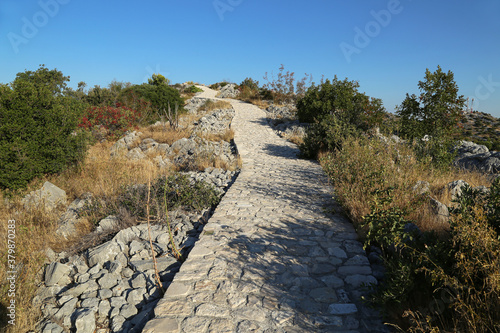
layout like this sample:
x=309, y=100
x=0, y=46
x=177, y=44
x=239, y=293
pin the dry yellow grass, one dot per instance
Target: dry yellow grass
x=260, y=103
x=165, y=134
x=227, y=136
x=363, y=167
x=211, y=105
x=34, y=231
x=297, y=139
x=201, y=163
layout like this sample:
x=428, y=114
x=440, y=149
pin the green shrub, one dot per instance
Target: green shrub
x=160, y=96
x=265, y=94
x=219, y=85
x=194, y=89
x=436, y=150
x=326, y=135
x=250, y=83
x=434, y=282
x=337, y=109
x=38, y=128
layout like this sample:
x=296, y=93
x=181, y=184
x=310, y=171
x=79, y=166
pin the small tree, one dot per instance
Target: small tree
x=437, y=110
x=164, y=98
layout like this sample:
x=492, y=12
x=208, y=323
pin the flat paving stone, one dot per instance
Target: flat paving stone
x=271, y=258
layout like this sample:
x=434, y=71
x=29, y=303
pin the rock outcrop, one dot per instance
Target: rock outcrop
x=472, y=156
x=113, y=285
x=283, y=121
x=48, y=197
x=216, y=122
x=228, y=91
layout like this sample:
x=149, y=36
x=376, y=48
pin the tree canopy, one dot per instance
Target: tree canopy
x=436, y=111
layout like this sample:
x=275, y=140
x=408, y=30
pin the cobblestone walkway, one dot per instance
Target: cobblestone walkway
x=272, y=258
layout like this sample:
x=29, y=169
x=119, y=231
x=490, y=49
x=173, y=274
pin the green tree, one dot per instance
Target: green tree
x=38, y=127
x=437, y=110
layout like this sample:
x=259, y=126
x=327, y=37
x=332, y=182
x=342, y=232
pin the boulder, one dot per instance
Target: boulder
x=108, y=224
x=54, y=273
x=68, y=221
x=50, y=327
x=455, y=188
x=122, y=146
x=228, y=91
x=194, y=104
x=103, y=253
x=48, y=197
x=136, y=154
x=184, y=146
x=472, y=156
x=440, y=211
x=84, y=320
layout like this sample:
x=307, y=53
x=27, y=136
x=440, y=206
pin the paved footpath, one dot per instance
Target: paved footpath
x=272, y=258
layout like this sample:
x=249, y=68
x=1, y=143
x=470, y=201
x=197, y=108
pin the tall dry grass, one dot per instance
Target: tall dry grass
x=227, y=136
x=458, y=259
x=364, y=166
x=165, y=133
x=211, y=105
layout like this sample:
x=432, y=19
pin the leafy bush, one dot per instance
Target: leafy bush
x=436, y=150
x=38, y=127
x=219, y=85
x=326, y=135
x=98, y=96
x=115, y=121
x=250, y=83
x=130, y=98
x=337, y=110
x=194, y=89
x=160, y=96
x=385, y=226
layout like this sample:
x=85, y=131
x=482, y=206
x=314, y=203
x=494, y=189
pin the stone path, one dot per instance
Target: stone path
x=271, y=258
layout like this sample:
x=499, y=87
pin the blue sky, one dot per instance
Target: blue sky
x=385, y=45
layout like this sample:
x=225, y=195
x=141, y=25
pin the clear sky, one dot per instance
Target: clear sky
x=385, y=45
